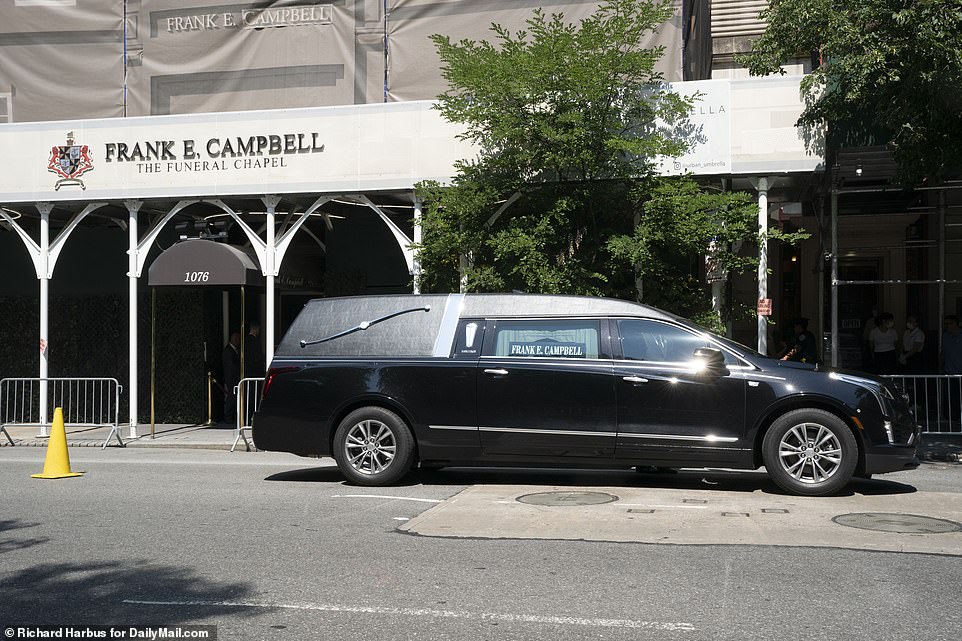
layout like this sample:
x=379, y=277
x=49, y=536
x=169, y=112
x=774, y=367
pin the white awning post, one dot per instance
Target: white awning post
x=43, y=274
x=417, y=241
x=133, y=207
x=270, y=202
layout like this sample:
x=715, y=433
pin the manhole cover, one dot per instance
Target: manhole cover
x=568, y=498
x=901, y=523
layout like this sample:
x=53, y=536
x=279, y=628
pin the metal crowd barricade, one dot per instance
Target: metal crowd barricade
x=248, y=396
x=935, y=400
x=85, y=402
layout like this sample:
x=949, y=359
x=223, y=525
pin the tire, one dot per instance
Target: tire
x=810, y=452
x=373, y=446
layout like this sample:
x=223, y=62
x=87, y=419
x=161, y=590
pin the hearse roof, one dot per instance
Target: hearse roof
x=516, y=305
x=423, y=325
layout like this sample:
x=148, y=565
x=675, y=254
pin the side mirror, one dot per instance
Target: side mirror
x=710, y=360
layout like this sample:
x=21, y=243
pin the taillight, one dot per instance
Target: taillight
x=271, y=373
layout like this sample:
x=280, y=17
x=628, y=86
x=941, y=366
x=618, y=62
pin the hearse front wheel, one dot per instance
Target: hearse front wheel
x=810, y=452
x=373, y=446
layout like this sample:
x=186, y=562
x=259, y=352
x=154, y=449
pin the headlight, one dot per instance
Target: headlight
x=879, y=390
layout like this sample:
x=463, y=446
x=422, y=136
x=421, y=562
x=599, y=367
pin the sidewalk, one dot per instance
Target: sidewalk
x=935, y=447
x=214, y=437
x=941, y=447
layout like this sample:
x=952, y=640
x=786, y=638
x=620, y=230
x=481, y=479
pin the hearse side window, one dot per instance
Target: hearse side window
x=469, y=339
x=647, y=340
x=547, y=338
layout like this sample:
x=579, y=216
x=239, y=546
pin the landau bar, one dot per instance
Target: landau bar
x=216, y=148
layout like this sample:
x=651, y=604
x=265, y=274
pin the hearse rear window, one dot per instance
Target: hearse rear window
x=546, y=339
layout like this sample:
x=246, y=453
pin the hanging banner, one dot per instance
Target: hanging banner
x=744, y=127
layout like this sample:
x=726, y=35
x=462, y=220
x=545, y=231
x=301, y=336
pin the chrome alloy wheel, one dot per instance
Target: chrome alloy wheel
x=370, y=447
x=810, y=453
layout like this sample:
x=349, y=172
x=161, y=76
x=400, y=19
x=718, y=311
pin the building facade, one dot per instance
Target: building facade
x=97, y=73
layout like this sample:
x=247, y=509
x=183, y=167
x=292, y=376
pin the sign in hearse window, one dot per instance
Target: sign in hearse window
x=547, y=339
x=469, y=339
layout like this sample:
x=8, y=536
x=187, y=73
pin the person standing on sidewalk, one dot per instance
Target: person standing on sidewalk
x=803, y=348
x=230, y=359
x=884, y=339
x=951, y=362
x=913, y=341
x=253, y=354
x=951, y=357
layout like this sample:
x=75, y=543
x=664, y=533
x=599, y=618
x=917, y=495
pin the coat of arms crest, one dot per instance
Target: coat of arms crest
x=70, y=161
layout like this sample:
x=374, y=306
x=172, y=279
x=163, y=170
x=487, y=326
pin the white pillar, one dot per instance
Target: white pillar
x=417, y=241
x=133, y=207
x=269, y=273
x=44, y=275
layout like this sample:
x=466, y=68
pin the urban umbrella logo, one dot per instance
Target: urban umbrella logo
x=70, y=162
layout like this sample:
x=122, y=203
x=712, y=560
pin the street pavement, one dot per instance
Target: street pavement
x=694, y=507
x=272, y=546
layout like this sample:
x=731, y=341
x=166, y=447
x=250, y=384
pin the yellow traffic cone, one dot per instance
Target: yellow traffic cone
x=57, y=464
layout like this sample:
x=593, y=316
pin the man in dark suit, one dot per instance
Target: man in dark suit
x=253, y=354
x=230, y=359
x=803, y=348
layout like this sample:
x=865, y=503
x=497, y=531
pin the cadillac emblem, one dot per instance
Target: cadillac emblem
x=70, y=162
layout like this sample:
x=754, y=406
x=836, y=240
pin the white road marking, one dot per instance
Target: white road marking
x=401, y=518
x=381, y=496
x=437, y=614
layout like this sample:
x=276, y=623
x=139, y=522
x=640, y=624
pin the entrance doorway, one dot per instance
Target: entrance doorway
x=223, y=277
x=856, y=304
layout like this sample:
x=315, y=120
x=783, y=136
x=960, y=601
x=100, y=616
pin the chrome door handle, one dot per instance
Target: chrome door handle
x=496, y=372
x=634, y=379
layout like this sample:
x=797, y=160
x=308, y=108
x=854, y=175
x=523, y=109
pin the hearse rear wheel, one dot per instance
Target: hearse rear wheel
x=810, y=452
x=373, y=446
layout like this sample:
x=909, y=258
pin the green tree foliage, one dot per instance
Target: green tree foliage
x=682, y=225
x=888, y=66
x=568, y=118
x=562, y=114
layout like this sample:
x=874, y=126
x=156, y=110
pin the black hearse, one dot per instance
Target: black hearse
x=384, y=383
